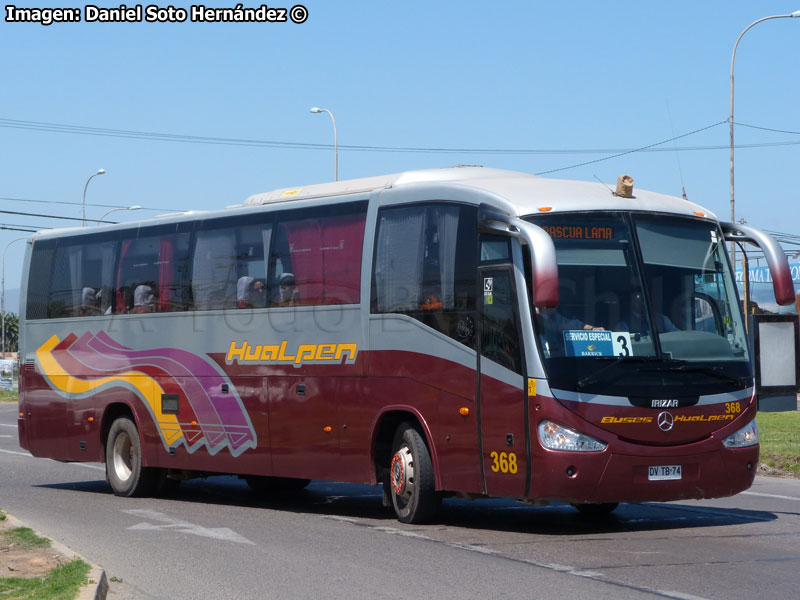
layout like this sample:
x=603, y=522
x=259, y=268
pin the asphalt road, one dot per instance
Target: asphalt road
x=217, y=539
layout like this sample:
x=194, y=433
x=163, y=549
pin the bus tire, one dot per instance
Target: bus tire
x=602, y=509
x=124, y=470
x=411, y=480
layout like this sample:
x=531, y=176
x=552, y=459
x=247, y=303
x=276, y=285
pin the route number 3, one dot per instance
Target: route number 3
x=504, y=462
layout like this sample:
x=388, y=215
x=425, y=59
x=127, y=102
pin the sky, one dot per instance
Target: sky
x=556, y=84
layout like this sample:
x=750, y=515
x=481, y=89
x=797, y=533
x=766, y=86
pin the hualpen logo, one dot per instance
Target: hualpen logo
x=278, y=354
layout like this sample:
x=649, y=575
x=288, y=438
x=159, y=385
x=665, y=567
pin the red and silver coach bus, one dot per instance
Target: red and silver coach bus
x=461, y=331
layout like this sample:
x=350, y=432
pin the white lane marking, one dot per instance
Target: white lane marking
x=7, y=425
x=170, y=524
x=566, y=569
x=74, y=464
x=88, y=466
x=779, y=497
x=8, y=436
x=17, y=453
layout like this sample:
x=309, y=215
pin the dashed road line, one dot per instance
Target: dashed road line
x=17, y=453
x=75, y=464
x=566, y=569
x=777, y=496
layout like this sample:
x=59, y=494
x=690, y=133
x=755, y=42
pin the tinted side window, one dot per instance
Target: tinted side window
x=229, y=264
x=316, y=256
x=426, y=266
x=499, y=329
x=82, y=279
x=39, y=280
x=152, y=273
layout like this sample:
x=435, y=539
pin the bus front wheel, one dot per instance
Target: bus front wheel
x=411, y=481
x=124, y=469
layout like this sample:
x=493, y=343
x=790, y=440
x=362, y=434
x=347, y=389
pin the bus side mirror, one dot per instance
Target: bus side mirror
x=776, y=353
x=543, y=264
x=540, y=245
x=776, y=258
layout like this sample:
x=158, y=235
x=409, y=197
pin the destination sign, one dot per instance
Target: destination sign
x=580, y=342
x=579, y=232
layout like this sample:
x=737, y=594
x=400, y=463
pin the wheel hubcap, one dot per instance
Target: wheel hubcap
x=402, y=472
x=122, y=459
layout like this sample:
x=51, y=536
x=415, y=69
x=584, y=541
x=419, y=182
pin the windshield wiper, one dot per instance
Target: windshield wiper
x=683, y=367
x=595, y=377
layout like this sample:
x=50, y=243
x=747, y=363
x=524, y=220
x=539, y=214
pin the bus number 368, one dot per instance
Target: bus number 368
x=504, y=463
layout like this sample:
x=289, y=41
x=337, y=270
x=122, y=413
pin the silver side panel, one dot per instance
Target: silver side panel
x=403, y=333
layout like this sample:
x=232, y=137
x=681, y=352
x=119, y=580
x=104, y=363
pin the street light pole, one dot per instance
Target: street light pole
x=315, y=109
x=730, y=121
x=135, y=207
x=3, y=292
x=83, y=206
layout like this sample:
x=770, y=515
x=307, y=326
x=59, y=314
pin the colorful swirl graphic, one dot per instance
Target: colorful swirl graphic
x=77, y=367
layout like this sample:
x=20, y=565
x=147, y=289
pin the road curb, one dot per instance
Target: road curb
x=97, y=588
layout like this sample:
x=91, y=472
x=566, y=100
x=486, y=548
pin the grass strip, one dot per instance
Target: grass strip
x=24, y=537
x=779, y=436
x=62, y=583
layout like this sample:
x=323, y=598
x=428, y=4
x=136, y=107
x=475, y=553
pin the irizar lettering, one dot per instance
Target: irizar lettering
x=266, y=354
x=671, y=403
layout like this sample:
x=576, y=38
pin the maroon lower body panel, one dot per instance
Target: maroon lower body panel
x=609, y=477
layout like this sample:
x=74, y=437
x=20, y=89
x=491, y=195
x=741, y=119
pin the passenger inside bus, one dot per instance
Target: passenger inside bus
x=88, y=306
x=553, y=325
x=250, y=292
x=143, y=299
x=289, y=295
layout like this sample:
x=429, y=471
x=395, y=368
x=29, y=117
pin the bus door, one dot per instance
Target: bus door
x=502, y=395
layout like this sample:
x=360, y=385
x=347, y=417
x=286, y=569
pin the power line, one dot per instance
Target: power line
x=6, y=228
x=14, y=212
x=766, y=128
x=590, y=162
x=196, y=139
x=38, y=227
x=80, y=203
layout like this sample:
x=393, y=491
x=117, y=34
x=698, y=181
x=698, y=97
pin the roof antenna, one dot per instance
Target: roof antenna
x=608, y=187
x=677, y=154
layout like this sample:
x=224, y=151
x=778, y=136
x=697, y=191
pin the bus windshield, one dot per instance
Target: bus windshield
x=650, y=295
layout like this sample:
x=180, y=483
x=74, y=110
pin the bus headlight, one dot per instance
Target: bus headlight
x=558, y=437
x=746, y=436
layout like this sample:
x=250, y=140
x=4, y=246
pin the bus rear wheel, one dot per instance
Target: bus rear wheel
x=124, y=469
x=411, y=481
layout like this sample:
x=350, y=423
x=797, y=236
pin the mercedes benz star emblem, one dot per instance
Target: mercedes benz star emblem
x=665, y=421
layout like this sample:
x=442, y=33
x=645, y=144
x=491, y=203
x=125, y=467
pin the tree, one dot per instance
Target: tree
x=12, y=332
